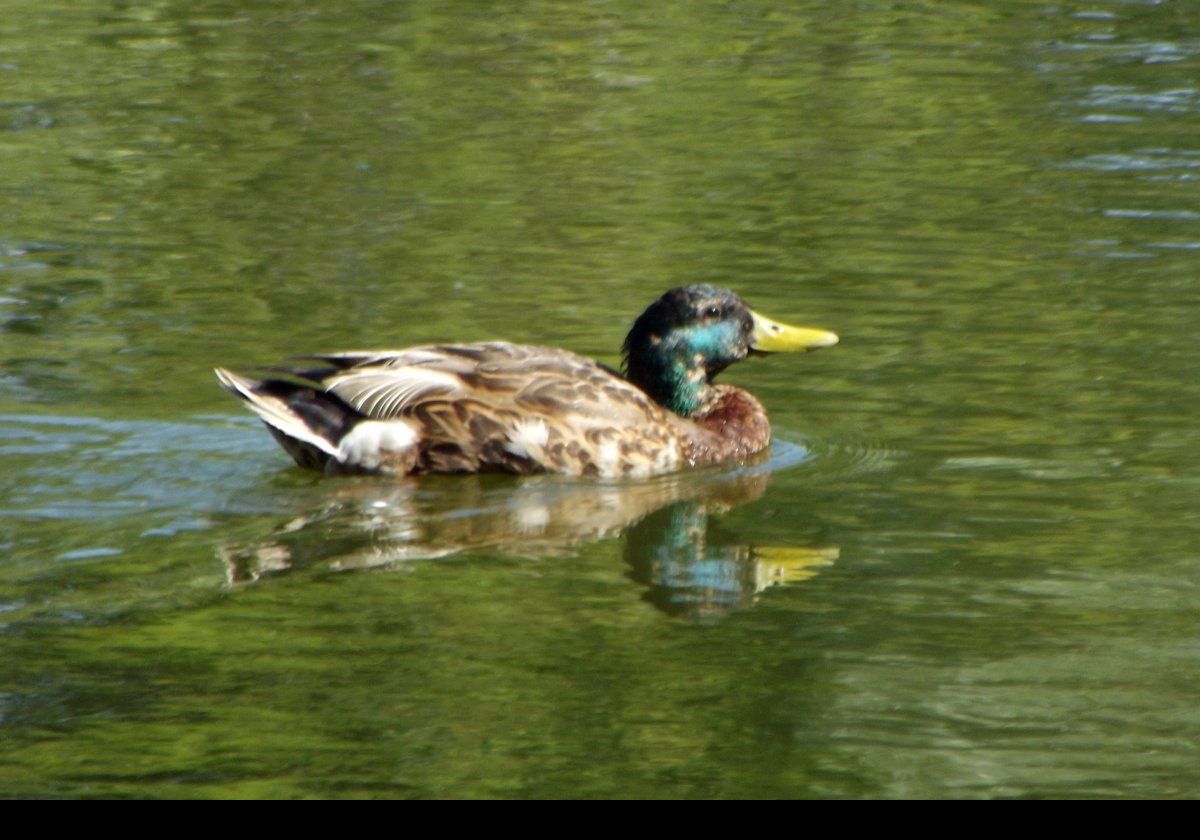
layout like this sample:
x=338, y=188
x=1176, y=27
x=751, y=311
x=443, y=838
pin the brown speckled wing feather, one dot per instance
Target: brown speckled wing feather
x=512, y=408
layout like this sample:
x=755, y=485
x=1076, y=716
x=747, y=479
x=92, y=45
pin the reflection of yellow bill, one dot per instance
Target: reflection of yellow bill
x=773, y=337
x=777, y=564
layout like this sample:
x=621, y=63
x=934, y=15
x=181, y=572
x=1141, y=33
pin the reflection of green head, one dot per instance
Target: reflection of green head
x=692, y=333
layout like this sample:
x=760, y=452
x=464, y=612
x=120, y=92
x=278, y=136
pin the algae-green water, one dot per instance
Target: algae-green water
x=969, y=567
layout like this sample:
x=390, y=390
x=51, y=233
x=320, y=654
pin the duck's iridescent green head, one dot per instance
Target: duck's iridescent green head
x=692, y=333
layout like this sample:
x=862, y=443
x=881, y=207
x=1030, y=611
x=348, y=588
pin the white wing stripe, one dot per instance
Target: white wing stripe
x=383, y=393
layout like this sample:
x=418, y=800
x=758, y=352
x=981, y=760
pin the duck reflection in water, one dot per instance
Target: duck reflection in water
x=691, y=568
x=688, y=566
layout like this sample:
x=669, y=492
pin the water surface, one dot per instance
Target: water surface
x=968, y=569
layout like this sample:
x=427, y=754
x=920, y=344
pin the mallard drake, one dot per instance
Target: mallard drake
x=499, y=407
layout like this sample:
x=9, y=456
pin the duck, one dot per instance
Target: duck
x=523, y=409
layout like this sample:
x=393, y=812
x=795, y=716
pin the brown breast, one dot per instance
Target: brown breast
x=734, y=425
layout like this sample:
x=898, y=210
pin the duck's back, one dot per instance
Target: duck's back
x=467, y=408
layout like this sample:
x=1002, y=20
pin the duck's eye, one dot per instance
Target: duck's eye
x=712, y=311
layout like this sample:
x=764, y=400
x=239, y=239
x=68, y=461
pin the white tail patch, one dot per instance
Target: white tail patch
x=607, y=457
x=368, y=442
x=528, y=438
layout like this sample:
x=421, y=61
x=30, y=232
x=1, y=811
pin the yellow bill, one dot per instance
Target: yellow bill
x=773, y=337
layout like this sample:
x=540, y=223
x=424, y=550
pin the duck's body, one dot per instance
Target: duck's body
x=499, y=407
x=492, y=407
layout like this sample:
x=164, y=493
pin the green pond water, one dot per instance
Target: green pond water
x=970, y=566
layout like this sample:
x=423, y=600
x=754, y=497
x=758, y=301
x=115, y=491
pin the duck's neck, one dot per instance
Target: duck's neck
x=675, y=366
x=673, y=384
x=730, y=423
